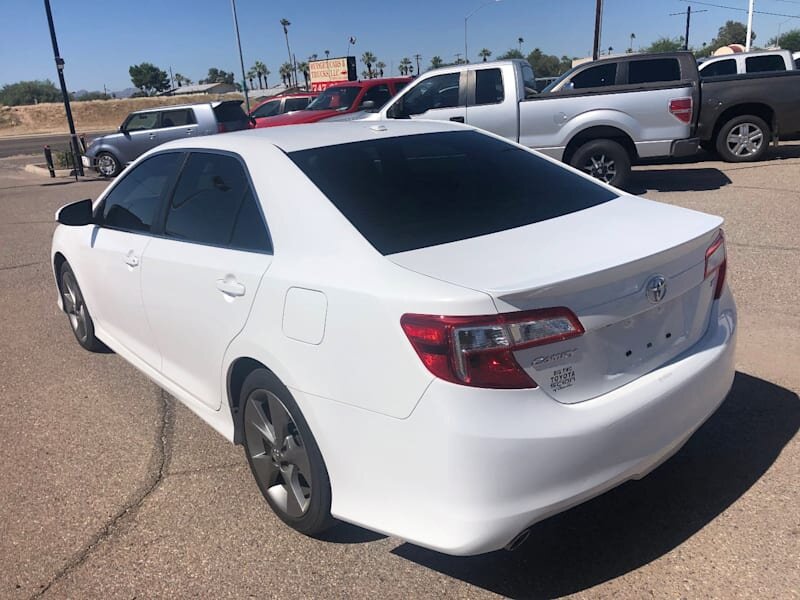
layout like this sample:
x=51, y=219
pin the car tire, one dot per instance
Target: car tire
x=605, y=160
x=107, y=164
x=743, y=139
x=283, y=455
x=80, y=319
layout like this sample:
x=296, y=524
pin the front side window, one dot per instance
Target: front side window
x=177, y=118
x=268, y=109
x=133, y=202
x=141, y=121
x=594, y=77
x=721, y=67
x=488, y=86
x=761, y=64
x=655, y=70
x=335, y=98
x=214, y=204
x=439, y=91
x=415, y=191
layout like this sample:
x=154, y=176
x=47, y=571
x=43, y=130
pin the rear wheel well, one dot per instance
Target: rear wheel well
x=58, y=260
x=603, y=132
x=238, y=372
x=759, y=110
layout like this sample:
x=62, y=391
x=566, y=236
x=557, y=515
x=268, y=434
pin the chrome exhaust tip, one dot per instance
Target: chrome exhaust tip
x=518, y=540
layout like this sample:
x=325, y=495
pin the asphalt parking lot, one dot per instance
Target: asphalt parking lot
x=110, y=488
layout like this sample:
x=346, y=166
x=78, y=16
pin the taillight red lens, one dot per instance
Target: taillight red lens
x=681, y=109
x=479, y=351
x=221, y=128
x=717, y=262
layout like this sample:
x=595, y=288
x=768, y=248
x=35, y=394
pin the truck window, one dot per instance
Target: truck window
x=599, y=76
x=759, y=64
x=439, y=91
x=488, y=86
x=654, y=70
x=379, y=94
x=722, y=67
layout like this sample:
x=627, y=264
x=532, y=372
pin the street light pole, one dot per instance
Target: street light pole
x=76, y=160
x=749, y=25
x=241, y=59
x=466, y=52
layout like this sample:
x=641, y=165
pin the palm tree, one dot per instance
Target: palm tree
x=379, y=67
x=368, y=58
x=259, y=67
x=327, y=54
x=436, y=62
x=520, y=41
x=285, y=24
x=179, y=79
x=303, y=67
x=633, y=37
x=485, y=53
x=286, y=74
x=265, y=72
x=252, y=74
x=313, y=57
x=405, y=66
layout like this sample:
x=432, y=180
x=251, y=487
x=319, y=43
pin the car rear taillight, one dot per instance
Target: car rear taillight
x=717, y=262
x=221, y=128
x=681, y=109
x=479, y=351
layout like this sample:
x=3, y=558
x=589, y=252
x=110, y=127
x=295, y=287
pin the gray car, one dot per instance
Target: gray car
x=145, y=129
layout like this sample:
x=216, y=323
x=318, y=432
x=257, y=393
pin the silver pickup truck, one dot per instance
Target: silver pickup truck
x=599, y=117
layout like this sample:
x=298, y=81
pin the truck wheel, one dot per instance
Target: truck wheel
x=605, y=160
x=743, y=139
x=107, y=164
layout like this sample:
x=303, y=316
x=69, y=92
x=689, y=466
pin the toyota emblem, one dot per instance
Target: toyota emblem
x=656, y=288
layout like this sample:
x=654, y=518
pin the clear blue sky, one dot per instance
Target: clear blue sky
x=100, y=40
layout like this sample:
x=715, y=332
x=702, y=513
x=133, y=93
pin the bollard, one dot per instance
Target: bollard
x=82, y=138
x=48, y=157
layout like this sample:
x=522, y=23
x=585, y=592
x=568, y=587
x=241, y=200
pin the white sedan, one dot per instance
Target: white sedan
x=411, y=326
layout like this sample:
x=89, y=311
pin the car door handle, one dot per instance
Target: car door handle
x=457, y=119
x=152, y=136
x=230, y=287
x=131, y=259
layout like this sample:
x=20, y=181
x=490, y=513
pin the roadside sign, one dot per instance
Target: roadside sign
x=325, y=73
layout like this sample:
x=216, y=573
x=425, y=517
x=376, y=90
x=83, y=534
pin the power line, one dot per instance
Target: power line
x=759, y=12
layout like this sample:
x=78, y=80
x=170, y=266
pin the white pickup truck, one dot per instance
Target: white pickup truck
x=599, y=117
x=747, y=62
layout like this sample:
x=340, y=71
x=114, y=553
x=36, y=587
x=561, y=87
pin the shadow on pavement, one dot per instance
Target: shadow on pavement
x=638, y=522
x=676, y=180
x=345, y=533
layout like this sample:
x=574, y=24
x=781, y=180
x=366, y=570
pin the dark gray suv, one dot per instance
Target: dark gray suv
x=146, y=129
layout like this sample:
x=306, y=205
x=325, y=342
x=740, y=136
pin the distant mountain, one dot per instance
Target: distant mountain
x=126, y=93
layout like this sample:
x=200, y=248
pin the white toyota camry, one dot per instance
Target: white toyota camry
x=415, y=327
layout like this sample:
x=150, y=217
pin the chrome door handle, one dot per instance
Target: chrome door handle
x=230, y=287
x=131, y=260
x=152, y=136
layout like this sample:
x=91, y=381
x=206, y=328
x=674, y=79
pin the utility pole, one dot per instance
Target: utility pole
x=749, y=26
x=598, y=17
x=241, y=60
x=688, y=14
x=76, y=153
x=417, y=57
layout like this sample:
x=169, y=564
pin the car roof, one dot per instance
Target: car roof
x=379, y=80
x=188, y=105
x=291, y=138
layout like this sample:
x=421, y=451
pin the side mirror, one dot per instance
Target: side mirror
x=368, y=105
x=252, y=122
x=76, y=214
x=568, y=86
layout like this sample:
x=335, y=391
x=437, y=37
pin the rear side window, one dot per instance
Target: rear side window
x=722, y=67
x=759, y=64
x=133, y=203
x=214, y=204
x=176, y=118
x=599, y=76
x=411, y=192
x=654, y=70
x=488, y=86
x=295, y=104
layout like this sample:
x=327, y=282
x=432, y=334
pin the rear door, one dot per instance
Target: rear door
x=491, y=105
x=176, y=124
x=201, y=274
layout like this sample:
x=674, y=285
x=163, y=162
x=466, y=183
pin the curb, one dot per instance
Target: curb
x=43, y=172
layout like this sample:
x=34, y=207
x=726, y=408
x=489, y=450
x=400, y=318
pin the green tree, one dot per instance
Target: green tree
x=96, y=95
x=29, y=92
x=149, y=78
x=259, y=67
x=303, y=68
x=379, y=67
x=368, y=58
x=251, y=75
x=665, y=44
x=485, y=53
x=181, y=80
x=286, y=74
x=545, y=65
x=285, y=24
x=788, y=41
x=511, y=53
x=436, y=62
x=733, y=32
x=216, y=75
x=405, y=66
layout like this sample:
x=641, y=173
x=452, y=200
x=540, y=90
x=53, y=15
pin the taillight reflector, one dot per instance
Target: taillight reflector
x=681, y=109
x=479, y=351
x=221, y=128
x=717, y=262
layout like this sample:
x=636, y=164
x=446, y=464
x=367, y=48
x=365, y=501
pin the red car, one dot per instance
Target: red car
x=341, y=99
x=272, y=107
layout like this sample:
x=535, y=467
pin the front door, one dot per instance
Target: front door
x=201, y=276
x=125, y=218
x=441, y=98
x=141, y=133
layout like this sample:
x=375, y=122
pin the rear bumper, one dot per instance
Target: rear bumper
x=472, y=468
x=682, y=148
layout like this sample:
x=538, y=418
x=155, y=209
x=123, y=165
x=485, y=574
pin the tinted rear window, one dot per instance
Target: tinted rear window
x=230, y=111
x=759, y=64
x=416, y=191
x=654, y=70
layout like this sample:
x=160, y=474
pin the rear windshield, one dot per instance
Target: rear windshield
x=412, y=192
x=230, y=111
